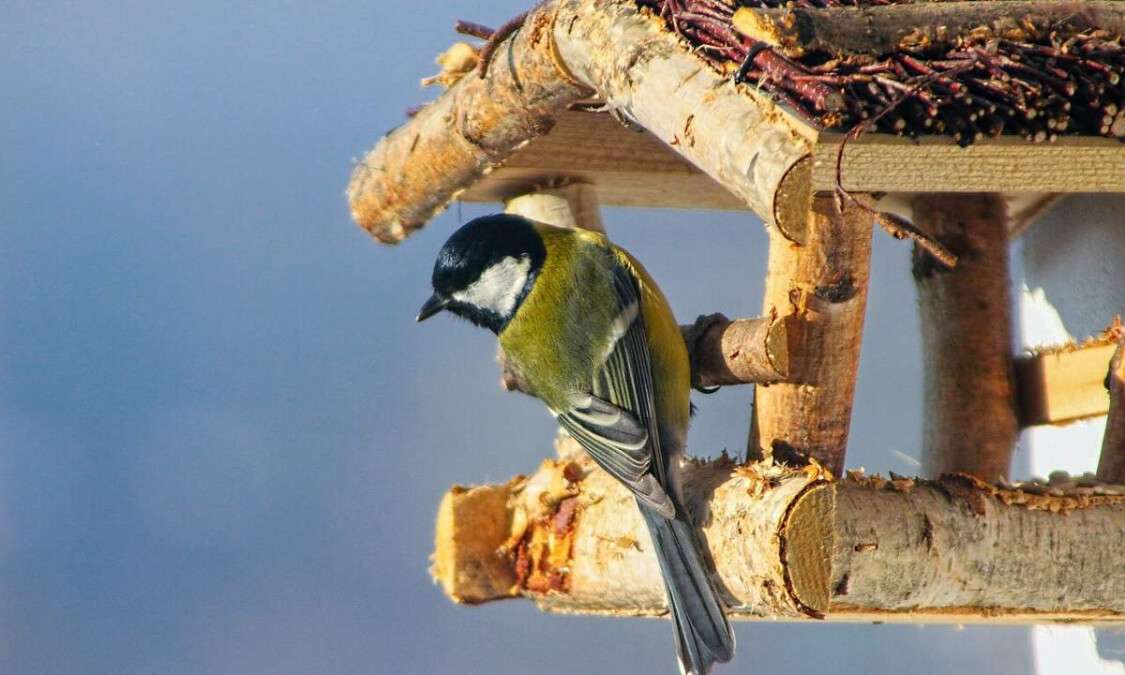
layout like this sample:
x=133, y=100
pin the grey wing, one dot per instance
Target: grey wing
x=617, y=425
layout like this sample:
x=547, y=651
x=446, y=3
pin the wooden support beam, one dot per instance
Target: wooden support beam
x=573, y=205
x=1111, y=465
x=969, y=423
x=565, y=50
x=878, y=30
x=726, y=352
x=634, y=168
x=883, y=163
x=416, y=169
x=1062, y=385
x=630, y=167
x=643, y=70
x=790, y=543
x=824, y=283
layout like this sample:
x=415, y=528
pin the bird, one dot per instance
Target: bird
x=589, y=333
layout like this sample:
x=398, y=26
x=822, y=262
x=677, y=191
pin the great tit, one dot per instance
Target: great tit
x=588, y=332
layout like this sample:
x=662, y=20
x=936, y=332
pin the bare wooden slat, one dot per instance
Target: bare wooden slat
x=629, y=167
x=634, y=168
x=1063, y=385
x=883, y=163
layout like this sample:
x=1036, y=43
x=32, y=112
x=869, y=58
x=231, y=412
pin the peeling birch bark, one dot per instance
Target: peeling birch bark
x=790, y=543
x=1111, y=464
x=566, y=49
x=416, y=169
x=824, y=283
x=970, y=423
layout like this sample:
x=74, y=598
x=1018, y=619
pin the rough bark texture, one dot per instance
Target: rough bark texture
x=970, y=423
x=824, y=283
x=921, y=26
x=637, y=66
x=566, y=48
x=416, y=169
x=1111, y=465
x=747, y=350
x=791, y=543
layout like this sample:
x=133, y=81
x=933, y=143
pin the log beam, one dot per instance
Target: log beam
x=878, y=30
x=417, y=168
x=791, y=543
x=824, y=283
x=566, y=50
x=1111, y=465
x=573, y=205
x=970, y=422
x=725, y=352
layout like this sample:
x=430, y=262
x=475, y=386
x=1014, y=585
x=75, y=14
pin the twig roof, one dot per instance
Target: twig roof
x=962, y=69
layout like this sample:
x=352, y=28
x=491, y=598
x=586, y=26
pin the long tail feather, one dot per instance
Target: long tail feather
x=703, y=634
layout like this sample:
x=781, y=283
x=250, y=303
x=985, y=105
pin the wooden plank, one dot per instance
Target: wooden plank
x=634, y=168
x=629, y=167
x=883, y=163
x=1064, y=385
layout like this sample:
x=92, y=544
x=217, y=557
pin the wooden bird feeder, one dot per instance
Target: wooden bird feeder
x=974, y=114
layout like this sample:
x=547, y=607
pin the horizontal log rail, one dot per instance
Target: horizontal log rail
x=792, y=543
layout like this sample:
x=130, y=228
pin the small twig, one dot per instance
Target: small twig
x=473, y=30
x=898, y=227
x=494, y=40
x=901, y=228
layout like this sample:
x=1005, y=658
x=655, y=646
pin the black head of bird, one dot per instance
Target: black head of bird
x=485, y=270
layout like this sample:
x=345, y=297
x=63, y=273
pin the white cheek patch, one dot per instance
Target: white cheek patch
x=498, y=286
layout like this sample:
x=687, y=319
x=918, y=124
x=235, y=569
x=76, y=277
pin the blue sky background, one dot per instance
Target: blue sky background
x=222, y=436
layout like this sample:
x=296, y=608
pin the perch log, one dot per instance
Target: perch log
x=824, y=282
x=1111, y=465
x=970, y=422
x=791, y=543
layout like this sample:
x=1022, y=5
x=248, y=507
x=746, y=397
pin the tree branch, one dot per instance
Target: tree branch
x=790, y=543
x=823, y=283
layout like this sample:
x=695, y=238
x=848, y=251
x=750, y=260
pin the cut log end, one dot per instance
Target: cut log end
x=806, y=541
x=473, y=525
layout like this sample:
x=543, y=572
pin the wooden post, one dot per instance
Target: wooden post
x=824, y=282
x=569, y=205
x=970, y=422
x=1111, y=465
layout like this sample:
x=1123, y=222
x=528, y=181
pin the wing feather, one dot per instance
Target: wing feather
x=617, y=424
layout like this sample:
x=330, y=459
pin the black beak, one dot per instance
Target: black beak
x=435, y=304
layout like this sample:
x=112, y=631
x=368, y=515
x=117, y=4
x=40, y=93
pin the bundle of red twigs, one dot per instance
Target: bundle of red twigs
x=1070, y=84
